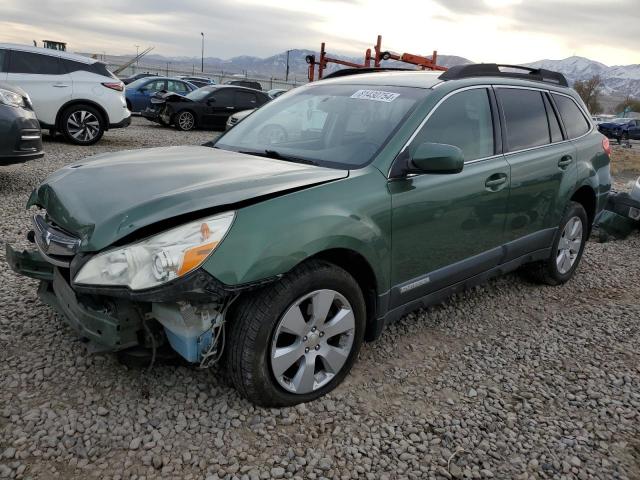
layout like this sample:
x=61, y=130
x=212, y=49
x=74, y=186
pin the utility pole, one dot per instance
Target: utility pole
x=286, y=76
x=137, y=53
x=202, y=61
x=168, y=63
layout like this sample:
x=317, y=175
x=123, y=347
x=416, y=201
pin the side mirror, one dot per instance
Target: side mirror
x=436, y=158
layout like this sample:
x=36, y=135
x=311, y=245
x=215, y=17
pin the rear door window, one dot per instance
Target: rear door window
x=463, y=120
x=246, y=99
x=35, y=63
x=525, y=117
x=177, y=87
x=574, y=121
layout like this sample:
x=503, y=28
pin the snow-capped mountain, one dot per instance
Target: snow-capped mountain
x=618, y=80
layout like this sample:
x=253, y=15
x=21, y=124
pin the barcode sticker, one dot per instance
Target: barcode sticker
x=375, y=95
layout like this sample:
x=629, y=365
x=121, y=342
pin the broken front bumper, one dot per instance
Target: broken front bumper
x=108, y=325
x=115, y=318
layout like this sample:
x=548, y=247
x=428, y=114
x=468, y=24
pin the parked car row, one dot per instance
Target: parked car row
x=80, y=98
x=621, y=129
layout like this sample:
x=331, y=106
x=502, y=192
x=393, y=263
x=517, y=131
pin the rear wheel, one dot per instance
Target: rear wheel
x=566, y=250
x=185, y=121
x=82, y=124
x=297, y=339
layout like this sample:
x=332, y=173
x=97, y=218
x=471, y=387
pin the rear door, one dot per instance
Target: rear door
x=543, y=167
x=44, y=78
x=450, y=227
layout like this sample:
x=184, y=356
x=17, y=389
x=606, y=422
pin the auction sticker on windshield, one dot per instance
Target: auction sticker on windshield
x=376, y=95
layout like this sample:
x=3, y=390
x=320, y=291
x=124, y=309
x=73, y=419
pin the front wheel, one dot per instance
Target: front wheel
x=297, y=339
x=567, y=249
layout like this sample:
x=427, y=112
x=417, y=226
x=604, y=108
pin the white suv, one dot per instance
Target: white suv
x=72, y=94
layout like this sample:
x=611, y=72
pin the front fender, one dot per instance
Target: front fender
x=270, y=238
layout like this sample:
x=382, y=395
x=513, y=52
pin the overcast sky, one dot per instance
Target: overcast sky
x=507, y=31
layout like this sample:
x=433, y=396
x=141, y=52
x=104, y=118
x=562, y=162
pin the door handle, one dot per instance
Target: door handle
x=60, y=85
x=229, y=108
x=565, y=161
x=496, y=182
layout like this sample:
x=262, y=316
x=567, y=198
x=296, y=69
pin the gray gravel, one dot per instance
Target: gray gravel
x=510, y=380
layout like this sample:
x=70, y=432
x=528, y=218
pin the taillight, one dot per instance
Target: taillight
x=119, y=86
x=606, y=146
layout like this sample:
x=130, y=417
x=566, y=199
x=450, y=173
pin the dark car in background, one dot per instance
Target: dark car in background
x=137, y=76
x=138, y=94
x=198, y=81
x=621, y=129
x=20, y=136
x=206, y=107
x=245, y=83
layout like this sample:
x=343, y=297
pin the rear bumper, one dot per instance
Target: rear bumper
x=121, y=124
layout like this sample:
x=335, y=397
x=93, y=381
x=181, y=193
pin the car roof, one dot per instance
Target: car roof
x=430, y=79
x=49, y=51
x=237, y=87
x=412, y=78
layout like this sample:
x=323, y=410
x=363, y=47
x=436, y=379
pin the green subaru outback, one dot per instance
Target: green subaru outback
x=320, y=218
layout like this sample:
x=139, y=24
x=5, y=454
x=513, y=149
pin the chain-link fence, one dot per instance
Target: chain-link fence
x=218, y=77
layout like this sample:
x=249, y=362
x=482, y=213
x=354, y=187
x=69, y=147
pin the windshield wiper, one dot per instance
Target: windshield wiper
x=279, y=156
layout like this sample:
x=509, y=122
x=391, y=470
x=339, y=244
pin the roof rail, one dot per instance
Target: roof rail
x=357, y=71
x=493, y=70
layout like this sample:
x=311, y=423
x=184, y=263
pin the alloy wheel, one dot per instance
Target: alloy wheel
x=83, y=126
x=569, y=245
x=312, y=341
x=186, y=121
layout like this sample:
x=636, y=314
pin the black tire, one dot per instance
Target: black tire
x=624, y=137
x=547, y=271
x=185, y=126
x=86, y=133
x=129, y=105
x=254, y=322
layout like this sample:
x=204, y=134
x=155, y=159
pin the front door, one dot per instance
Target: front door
x=43, y=77
x=449, y=227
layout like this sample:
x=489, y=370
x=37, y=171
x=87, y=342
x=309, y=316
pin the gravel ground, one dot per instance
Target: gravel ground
x=510, y=380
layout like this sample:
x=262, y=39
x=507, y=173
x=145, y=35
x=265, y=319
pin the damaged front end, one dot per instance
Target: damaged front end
x=186, y=313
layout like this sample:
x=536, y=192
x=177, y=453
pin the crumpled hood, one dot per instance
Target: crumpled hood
x=104, y=198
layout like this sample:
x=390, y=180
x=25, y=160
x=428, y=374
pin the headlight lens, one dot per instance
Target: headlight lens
x=158, y=259
x=11, y=98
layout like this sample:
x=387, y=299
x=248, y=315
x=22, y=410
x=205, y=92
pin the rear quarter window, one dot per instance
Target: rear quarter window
x=525, y=118
x=35, y=63
x=574, y=121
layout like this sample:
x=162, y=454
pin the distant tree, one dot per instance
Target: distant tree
x=590, y=90
x=629, y=101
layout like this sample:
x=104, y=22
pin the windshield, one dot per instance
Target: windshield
x=200, y=93
x=339, y=126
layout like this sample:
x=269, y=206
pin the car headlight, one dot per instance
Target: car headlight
x=158, y=259
x=10, y=98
